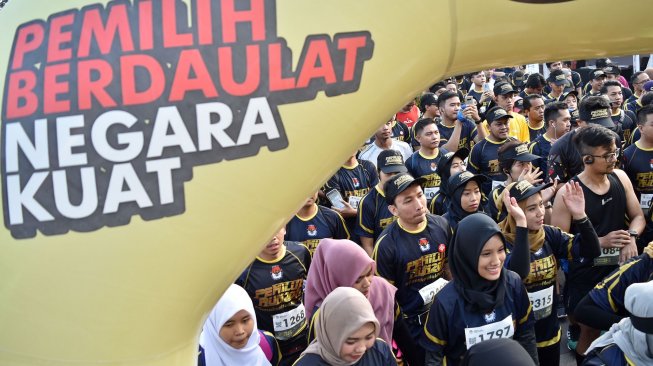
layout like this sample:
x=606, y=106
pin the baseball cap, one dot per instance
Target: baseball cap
x=600, y=117
x=391, y=161
x=428, y=99
x=503, y=88
x=445, y=161
x=517, y=152
x=612, y=69
x=496, y=113
x=595, y=74
x=397, y=184
x=462, y=178
x=524, y=189
x=566, y=92
x=518, y=78
x=557, y=77
x=648, y=86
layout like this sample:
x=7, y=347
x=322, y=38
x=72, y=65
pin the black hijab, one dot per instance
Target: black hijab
x=455, y=211
x=480, y=294
x=502, y=351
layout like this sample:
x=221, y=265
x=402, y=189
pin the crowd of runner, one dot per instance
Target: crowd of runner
x=473, y=222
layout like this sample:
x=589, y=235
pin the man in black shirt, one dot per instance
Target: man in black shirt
x=534, y=85
x=609, y=198
x=625, y=121
x=564, y=160
x=597, y=78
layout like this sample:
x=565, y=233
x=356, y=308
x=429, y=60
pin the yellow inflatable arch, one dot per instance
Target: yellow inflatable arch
x=150, y=147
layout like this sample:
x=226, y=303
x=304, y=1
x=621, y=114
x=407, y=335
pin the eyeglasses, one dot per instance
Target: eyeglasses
x=608, y=157
x=642, y=82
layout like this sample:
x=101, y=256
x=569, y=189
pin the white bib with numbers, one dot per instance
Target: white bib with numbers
x=608, y=257
x=500, y=329
x=431, y=192
x=288, y=323
x=428, y=292
x=542, y=302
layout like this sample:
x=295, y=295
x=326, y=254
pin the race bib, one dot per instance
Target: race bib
x=354, y=201
x=428, y=292
x=645, y=200
x=608, y=257
x=287, y=324
x=431, y=192
x=502, y=329
x=496, y=183
x=542, y=302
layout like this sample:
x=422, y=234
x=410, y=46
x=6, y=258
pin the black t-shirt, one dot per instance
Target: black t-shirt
x=277, y=291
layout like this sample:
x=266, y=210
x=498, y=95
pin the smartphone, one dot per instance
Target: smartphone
x=335, y=198
x=486, y=87
x=469, y=100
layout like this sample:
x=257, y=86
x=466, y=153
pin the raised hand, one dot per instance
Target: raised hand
x=574, y=199
x=513, y=209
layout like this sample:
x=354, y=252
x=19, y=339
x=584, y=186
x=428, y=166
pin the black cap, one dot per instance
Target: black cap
x=496, y=113
x=503, y=88
x=463, y=177
x=566, y=93
x=391, y=161
x=598, y=73
x=397, y=184
x=612, y=69
x=524, y=189
x=517, y=152
x=445, y=162
x=557, y=77
x=574, y=117
x=428, y=99
x=519, y=104
x=600, y=117
x=518, y=78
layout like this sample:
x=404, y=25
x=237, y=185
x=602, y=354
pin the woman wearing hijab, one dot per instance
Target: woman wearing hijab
x=450, y=164
x=629, y=342
x=345, y=333
x=484, y=301
x=230, y=336
x=343, y=263
x=547, y=246
x=465, y=191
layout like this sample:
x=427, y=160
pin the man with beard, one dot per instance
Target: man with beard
x=609, y=198
x=564, y=160
x=454, y=133
x=504, y=96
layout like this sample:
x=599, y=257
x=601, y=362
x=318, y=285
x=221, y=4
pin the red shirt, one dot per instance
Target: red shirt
x=409, y=118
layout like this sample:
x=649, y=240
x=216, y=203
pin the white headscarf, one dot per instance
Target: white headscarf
x=216, y=351
x=635, y=344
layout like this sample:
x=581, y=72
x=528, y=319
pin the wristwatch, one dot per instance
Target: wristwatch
x=633, y=234
x=548, y=205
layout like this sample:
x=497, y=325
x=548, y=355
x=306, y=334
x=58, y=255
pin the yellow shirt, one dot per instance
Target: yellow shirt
x=518, y=127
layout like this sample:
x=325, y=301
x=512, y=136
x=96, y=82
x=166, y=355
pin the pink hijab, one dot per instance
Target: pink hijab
x=339, y=263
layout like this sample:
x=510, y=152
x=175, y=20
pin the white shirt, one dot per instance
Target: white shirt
x=371, y=152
